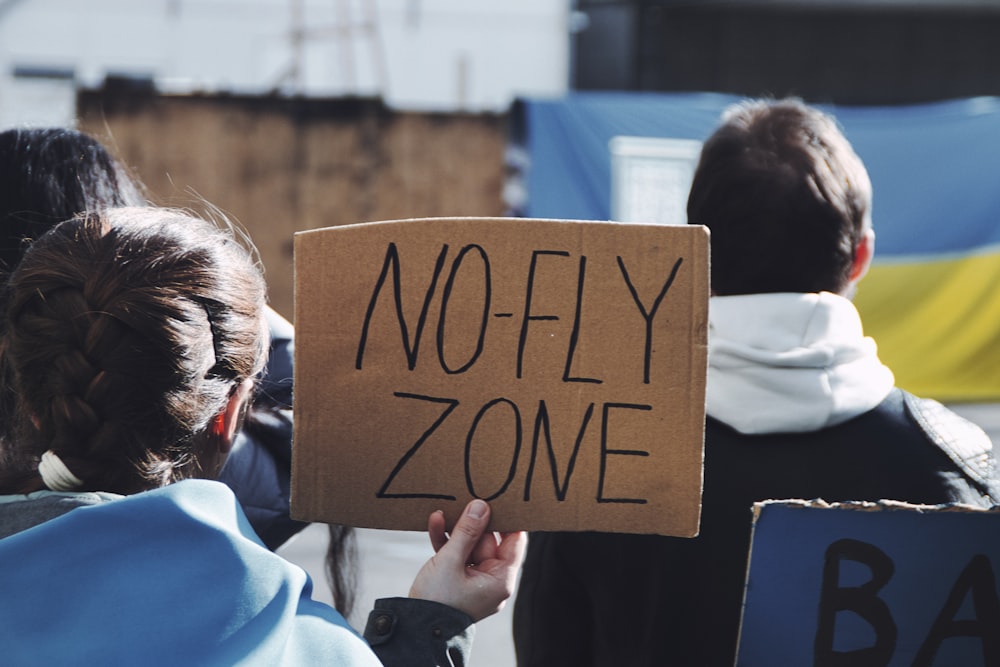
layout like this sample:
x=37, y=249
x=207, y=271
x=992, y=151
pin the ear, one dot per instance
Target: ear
x=229, y=419
x=863, y=254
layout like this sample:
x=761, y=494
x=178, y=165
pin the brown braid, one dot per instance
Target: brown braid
x=127, y=331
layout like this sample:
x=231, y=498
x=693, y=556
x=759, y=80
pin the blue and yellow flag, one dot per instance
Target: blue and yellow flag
x=931, y=300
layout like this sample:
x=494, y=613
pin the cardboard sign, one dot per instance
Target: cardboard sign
x=553, y=368
x=864, y=584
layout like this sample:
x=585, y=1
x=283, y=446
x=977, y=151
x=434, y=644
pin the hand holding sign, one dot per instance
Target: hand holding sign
x=470, y=570
x=553, y=368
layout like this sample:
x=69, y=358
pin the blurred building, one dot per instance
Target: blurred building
x=422, y=55
x=856, y=52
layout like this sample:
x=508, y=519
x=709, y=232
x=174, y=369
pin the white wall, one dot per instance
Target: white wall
x=436, y=55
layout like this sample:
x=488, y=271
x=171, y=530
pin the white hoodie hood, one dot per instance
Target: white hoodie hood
x=790, y=363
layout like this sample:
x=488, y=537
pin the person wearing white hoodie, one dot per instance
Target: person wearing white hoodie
x=799, y=406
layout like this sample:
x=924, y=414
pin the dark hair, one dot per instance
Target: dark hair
x=125, y=333
x=785, y=197
x=341, y=567
x=48, y=175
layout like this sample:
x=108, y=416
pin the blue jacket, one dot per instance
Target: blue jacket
x=173, y=576
x=176, y=576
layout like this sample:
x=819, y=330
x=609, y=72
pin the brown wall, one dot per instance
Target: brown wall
x=277, y=166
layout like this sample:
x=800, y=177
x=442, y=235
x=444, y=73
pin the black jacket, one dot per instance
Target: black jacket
x=615, y=599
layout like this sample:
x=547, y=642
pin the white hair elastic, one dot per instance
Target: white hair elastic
x=55, y=475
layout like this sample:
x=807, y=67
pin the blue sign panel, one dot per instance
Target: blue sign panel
x=868, y=585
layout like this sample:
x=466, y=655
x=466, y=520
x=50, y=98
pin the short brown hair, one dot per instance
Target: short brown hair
x=785, y=197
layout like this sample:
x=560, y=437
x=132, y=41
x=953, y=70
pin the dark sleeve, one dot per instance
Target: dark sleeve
x=966, y=444
x=275, y=385
x=553, y=619
x=419, y=633
x=258, y=469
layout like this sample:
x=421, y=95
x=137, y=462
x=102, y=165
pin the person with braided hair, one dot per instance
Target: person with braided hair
x=132, y=338
x=50, y=174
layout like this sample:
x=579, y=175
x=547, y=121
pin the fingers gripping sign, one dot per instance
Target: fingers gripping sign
x=473, y=569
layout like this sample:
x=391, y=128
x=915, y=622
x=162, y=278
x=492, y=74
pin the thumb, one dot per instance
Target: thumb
x=469, y=528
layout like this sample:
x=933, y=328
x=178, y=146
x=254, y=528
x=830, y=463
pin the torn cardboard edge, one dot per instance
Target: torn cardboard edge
x=830, y=583
x=870, y=506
